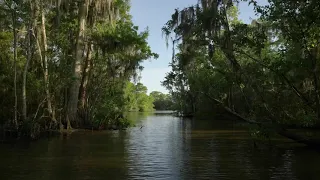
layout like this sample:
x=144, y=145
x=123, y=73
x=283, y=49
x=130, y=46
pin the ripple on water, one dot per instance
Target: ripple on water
x=165, y=148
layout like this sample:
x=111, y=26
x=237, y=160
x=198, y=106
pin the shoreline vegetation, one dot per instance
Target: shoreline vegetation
x=69, y=65
x=66, y=65
x=8, y=135
x=265, y=73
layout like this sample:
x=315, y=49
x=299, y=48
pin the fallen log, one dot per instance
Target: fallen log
x=279, y=130
x=299, y=138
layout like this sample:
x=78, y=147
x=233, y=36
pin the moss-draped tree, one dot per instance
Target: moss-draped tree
x=73, y=60
x=265, y=72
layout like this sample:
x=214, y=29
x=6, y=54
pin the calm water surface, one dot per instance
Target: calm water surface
x=165, y=147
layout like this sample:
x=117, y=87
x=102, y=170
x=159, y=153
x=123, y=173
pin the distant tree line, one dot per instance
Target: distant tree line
x=162, y=101
x=136, y=98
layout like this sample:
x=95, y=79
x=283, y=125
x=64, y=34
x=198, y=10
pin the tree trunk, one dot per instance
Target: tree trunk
x=278, y=129
x=41, y=42
x=316, y=84
x=24, y=82
x=77, y=64
x=15, y=120
x=45, y=64
x=315, y=73
x=58, y=11
x=85, y=77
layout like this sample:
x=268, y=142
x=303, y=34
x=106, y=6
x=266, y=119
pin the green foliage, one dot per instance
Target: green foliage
x=130, y=97
x=145, y=102
x=120, y=97
x=137, y=98
x=267, y=71
x=113, y=50
x=162, y=101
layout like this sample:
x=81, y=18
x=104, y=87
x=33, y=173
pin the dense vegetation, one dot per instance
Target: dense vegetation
x=137, y=98
x=265, y=73
x=68, y=64
x=71, y=64
x=162, y=101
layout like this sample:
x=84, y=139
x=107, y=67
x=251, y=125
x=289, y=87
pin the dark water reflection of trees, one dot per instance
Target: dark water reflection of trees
x=164, y=148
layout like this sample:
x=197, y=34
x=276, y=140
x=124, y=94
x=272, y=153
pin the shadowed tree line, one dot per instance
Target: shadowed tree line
x=162, y=101
x=67, y=64
x=265, y=73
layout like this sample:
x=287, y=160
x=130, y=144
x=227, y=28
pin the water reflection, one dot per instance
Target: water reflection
x=166, y=147
x=155, y=150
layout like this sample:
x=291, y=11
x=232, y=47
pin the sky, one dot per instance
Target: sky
x=154, y=14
